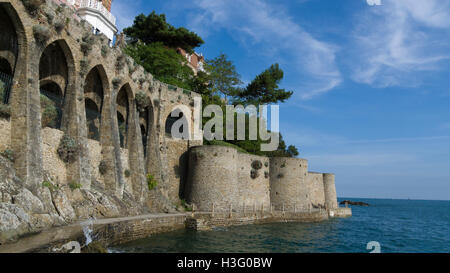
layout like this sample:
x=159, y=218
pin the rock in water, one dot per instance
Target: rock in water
x=352, y=203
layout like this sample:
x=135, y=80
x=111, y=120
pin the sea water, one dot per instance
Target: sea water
x=405, y=226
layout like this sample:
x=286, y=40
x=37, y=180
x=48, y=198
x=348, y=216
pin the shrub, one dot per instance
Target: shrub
x=151, y=182
x=8, y=154
x=59, y=25
x=50, y=186
x=266, y=175
x=116, y=82
x=41, y=34
x=49, y=112
x=74, y=185
x=127, y=173
x=280, y=175
x=257, y=165
x=104, y=50
x=142, y=101
x=120, y=62
x=5, y=110
x=266, y=164
x=68, y=149
x=103, y=167
x=185, y=205
x=33, y=6
x=283, y=165
x=50, y=15
x=86, y=44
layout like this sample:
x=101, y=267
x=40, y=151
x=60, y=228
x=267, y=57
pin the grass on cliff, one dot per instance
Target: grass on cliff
x=225, y=144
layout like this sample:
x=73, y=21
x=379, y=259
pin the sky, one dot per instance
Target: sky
x=370, y=80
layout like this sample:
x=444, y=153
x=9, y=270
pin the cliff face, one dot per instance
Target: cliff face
x=23, y=211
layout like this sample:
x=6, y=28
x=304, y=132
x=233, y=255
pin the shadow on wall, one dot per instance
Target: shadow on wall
x=181, y=170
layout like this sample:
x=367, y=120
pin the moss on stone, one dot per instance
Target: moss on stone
x=95, y=247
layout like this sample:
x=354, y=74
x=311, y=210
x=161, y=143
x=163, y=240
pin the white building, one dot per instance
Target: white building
x=97, y=13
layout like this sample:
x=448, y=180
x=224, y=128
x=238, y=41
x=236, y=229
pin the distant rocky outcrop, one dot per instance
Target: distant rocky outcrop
x=352, y=203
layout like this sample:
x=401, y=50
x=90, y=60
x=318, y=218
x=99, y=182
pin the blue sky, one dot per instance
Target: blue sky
x=371, y=81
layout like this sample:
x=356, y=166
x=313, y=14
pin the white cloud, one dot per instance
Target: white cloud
x=374, y=2
x=269, y=30
x=399, y=41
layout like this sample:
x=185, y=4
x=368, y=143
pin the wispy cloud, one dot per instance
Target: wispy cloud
x=269, y=30
x=398, y=41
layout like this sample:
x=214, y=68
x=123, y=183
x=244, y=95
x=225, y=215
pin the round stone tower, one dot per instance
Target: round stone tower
x=330, y=191
x=288, y=184
x=213, y=178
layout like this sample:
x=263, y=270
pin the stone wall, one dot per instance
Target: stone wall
x=213, y=178
x=5, y=135
x=330, y=191
x=84, y=68
x=316, y=189
x=289, y=189
x=222, y=177
x=253, y=182
x=53, y=165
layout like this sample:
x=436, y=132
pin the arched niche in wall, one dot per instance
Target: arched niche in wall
x=53, y=81
x=179, y=117
x=9, y=50
x=93, y=101
x=123, y=113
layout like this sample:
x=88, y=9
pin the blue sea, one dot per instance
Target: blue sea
x=397, y=226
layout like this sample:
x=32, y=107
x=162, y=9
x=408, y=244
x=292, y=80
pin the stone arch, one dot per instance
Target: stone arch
x=180, y=113
x=123, y=113
x=94, y=90
x=12, y=42
x=56, y=79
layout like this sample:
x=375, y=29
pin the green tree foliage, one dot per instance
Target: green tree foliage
x=154, y=28
x=254, y=146
x=223, y=76
x=264, y=88
x=164, y=63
